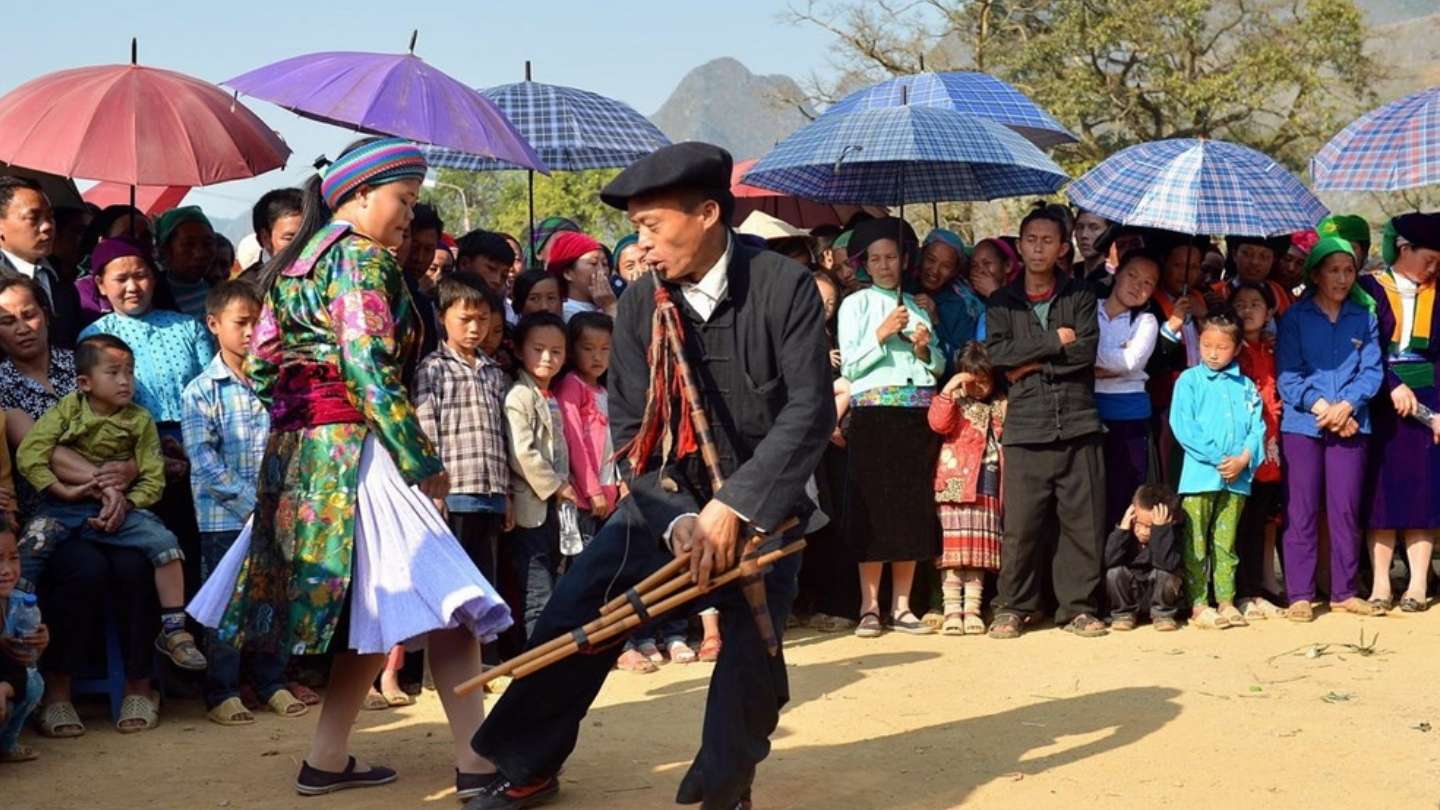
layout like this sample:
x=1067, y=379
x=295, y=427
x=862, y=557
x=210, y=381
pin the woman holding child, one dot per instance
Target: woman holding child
x=347, y=549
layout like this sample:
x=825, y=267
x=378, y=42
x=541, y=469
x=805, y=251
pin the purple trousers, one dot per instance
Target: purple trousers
x=1322, y=475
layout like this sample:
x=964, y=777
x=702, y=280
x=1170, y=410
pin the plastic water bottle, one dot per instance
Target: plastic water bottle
x=25, y=619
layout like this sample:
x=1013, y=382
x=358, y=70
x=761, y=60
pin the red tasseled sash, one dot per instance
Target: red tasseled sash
x=666, y=385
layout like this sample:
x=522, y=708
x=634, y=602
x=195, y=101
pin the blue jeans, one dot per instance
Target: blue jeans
x=58, y=521
x=266, y=671
x=535, y=561
x=21, y=709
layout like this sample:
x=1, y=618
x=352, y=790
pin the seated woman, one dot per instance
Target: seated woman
x=84, y=581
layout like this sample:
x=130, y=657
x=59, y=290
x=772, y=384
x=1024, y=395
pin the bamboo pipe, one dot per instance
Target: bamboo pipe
x=607, y=627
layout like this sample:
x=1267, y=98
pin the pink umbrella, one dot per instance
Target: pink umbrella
x=149, y=199
x=797, y=212
x=135, y=125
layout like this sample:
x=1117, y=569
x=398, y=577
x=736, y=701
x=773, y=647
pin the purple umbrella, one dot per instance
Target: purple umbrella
x=390, y=94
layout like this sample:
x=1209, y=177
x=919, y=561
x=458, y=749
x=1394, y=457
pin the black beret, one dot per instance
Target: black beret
x=872, y=230
x=688, y=165
x=1421, y=230
x=1276, y=244
x=489, y=244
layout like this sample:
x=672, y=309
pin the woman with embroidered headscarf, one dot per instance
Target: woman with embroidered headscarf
x=993, y=264
x=944, y=292
x=346, y=550
x=1404, y=474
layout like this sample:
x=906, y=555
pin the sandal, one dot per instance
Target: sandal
x=1232, y=615
x=1209, y=619
x=397, y=699
x=1007, y=626
x=912, y=625
x=231, y=712
x=826, y=623
x=20, y=753
x=1383, y=605
x=1301, y=612
x=933, y=619
x=710, y=649
x=59, y=720
x=1261, y=609
x=374, y=701
x=1357, y=606
x=651, y=652
x=680, y=652
x=869, y=626
x=954, y=624
x=974, y=625
x=635, y=661
x=307, y=695
x=1412, y=605
x=1086, y=626
x=180, y=648
x=1122, y=622
x=140, y=710
x=286, y=704
x=1165, y=624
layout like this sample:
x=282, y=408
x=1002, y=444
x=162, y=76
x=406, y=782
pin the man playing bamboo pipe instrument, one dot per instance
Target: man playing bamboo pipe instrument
x=754, y=339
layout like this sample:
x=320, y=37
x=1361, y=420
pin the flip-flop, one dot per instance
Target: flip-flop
x=307, y=695
x=1209, y=619
x=374, y=701
x=141, y=708
x=1234, y=617
x=20, y=753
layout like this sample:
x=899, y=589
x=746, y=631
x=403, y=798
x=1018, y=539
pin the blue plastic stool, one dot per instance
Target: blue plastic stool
x=113, y=682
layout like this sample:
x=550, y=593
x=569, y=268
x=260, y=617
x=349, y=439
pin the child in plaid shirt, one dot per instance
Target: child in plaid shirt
x=225, y=426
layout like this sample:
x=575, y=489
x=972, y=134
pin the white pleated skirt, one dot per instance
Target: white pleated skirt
x=410, y=575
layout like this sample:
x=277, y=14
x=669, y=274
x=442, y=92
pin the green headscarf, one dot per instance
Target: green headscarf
x=171, y=220
x=1328, y=246
x=950, y=238
x=625, y=241
x=1353, y=228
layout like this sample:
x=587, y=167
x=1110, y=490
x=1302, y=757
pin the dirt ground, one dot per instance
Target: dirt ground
x=1179, y=720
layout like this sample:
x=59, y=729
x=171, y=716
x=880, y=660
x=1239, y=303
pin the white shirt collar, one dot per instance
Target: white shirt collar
x=39, y=271
x=705, y=295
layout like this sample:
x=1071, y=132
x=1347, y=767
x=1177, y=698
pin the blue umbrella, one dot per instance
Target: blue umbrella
x=570, y=129
x=972, y=93
x=1390, y=148
x=1198, y=187
x=905, y=154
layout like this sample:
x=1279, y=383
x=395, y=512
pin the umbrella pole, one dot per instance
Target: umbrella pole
x=132, y=208
x=935, y=213
x=530, y=176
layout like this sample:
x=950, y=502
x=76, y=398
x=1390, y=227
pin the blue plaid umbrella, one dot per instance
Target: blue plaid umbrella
x=972, y=93
x=570, y=129
x=905, y=154
x=1198, y=187
x=1394, y=147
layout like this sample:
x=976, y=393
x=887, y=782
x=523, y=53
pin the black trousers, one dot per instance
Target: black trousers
x=1142, y=591
x=535, y=725
x=1056, y=485
x=83, y=582
x=1266, y=502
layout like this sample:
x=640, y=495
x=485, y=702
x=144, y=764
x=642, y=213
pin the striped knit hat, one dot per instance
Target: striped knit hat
x=374, y=163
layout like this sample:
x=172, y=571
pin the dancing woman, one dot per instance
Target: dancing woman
x=345, y=545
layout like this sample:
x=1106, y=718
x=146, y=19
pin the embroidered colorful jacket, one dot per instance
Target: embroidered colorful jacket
x=325, y=357
x=967, y=426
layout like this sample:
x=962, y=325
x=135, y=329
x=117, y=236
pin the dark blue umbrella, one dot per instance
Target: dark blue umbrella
x=570, y=129
x=897, y=155
x=972, y=93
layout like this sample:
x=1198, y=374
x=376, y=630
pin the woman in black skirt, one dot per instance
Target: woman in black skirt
x=888, y=356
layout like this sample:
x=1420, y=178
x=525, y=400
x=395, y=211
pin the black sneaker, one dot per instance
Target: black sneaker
x=470, y=785
x=315, y=782
x=502, y=794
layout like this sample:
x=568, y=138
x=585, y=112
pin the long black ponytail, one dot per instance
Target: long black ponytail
x=314, y=215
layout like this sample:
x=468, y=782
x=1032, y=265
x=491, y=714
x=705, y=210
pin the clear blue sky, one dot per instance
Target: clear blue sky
x=633, y=51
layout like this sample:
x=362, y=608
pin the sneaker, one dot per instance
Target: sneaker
x=315, y=782
x=180, y=648
x=470, y=785
x=502, y=794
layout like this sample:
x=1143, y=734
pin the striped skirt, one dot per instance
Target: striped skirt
x=970, y=534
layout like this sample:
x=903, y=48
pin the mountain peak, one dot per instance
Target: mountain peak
x=724, y=103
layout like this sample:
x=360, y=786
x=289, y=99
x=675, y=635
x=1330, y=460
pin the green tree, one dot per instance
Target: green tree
x=1280, y=75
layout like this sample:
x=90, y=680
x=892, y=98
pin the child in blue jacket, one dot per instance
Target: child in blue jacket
x=1217, y=418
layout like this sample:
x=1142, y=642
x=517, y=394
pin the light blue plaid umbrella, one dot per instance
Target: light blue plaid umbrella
x=1390, y=148
x=973, y=93
x=905, y=154
x=1198, y=187
x=570, y=129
